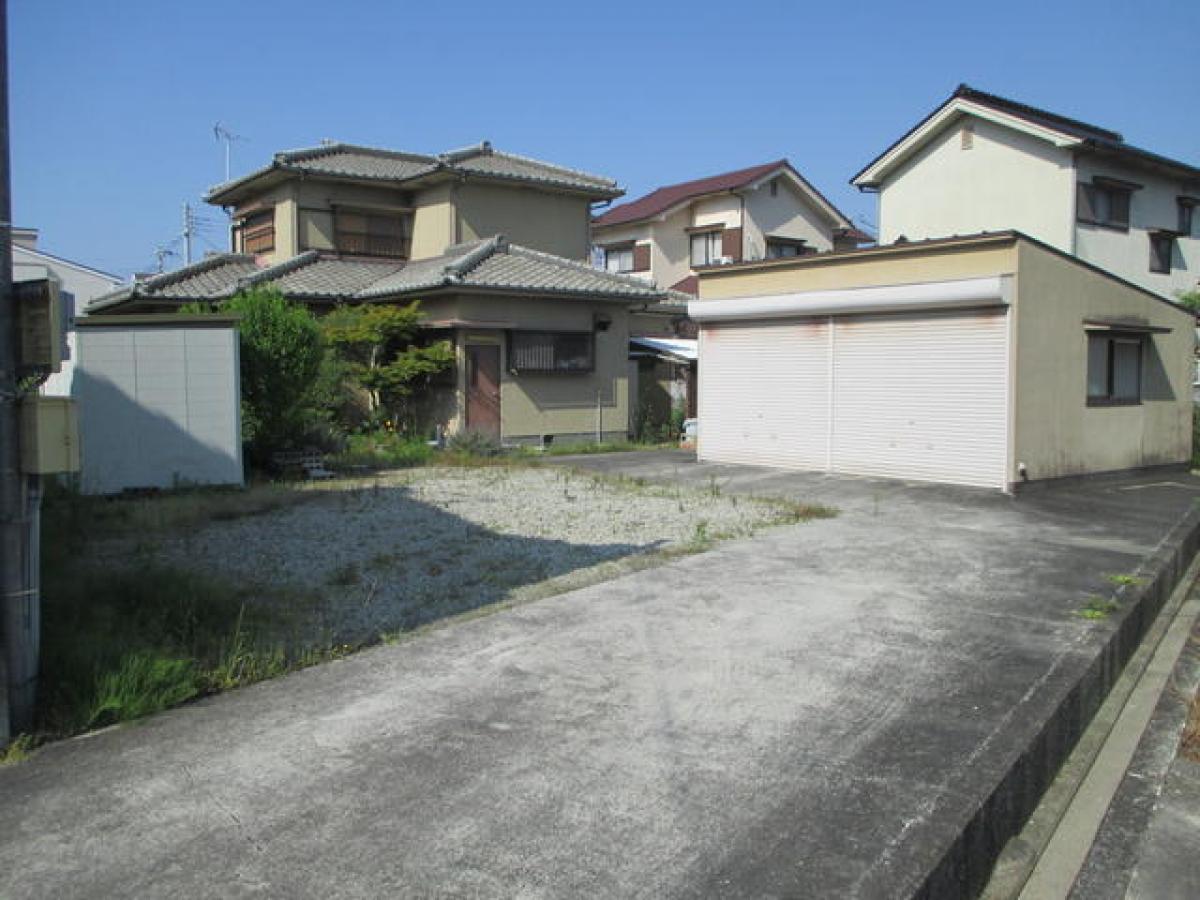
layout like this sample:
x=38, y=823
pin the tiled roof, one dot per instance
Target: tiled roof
x=492, y=264
x=215, y=277
x=665, y=198
x=339, y=160
x=325, y=277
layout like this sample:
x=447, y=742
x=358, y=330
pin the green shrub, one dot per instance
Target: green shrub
x=281, y=352
x=473, y=443
x=383, y=448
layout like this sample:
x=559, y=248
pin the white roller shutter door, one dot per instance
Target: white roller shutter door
x=922, y=397
x=764, y=393
x=919, y=395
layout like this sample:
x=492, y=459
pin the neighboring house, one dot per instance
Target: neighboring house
x=540, y=336
x=541, y=341
x=363, y=201
x=983, y=163
x=78, y=286
x=989, y=360
x=762, y=212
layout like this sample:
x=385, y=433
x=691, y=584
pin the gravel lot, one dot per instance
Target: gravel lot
x=395, y=551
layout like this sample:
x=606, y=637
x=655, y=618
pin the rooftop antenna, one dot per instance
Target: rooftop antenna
x=221, y=133
x=161, y=255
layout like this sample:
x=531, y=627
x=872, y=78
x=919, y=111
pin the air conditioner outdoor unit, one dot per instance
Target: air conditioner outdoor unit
x=724, y=260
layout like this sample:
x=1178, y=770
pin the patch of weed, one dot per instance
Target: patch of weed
x=1124, y=580
x=1097, y=608
x=18, y=750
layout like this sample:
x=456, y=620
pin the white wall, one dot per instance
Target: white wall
x=1005, y=180
x=158, y=406
x=1127, y=253
x=80, y=284
x=787, y=214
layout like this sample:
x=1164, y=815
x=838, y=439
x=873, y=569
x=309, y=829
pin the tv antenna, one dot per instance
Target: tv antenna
x=221, y=133
x=161, y=254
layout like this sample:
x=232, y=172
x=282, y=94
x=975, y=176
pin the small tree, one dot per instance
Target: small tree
x=377, y=344
x=281, y=355
x=1190, y=299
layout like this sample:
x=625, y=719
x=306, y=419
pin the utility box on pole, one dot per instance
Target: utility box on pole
x=38, y=306
x=49, y=435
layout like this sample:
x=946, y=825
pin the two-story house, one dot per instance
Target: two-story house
x=761, y=212
x=494, y=246
x=984, y=163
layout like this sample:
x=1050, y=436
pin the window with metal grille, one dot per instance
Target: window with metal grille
x=258, y=232
x=1114, y=369
x=550, y=352
x=370, y=233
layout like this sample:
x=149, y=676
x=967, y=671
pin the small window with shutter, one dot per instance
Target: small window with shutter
x=1186, y=207
x=258, y=232
x=1114, y=376
x=1162, y=247
x=1104, y=203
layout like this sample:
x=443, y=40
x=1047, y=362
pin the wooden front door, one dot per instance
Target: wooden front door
x=483, y=389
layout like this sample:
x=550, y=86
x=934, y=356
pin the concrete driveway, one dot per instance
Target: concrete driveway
x=819, y=711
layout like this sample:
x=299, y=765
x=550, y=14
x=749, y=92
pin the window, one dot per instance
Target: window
x=781, y=248
x=1104, y=203
x=1114, y=369
x=774, y=187
x=258, y=232
x=371, y=233
x=549, y=352
x=618, y=259
x=1162, y=246
x=1185, y=205
x=706, y=248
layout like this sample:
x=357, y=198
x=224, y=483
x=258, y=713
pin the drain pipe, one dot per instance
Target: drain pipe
x=599, y=419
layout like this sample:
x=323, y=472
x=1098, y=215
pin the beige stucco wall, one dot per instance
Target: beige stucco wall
x=787, y=214
x=724, y=210
x=553, y=223
x=1007, y=180
x=863, y=270
x=283, y=198
x=433, y=221
x=536, y=405
x=1055, y=432
x=1127, y=253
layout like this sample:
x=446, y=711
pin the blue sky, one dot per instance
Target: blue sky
x=113, y=103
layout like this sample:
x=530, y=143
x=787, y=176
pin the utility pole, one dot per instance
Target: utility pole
x=187, y=234
x=16, y=700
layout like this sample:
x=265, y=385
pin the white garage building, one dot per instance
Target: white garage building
x=986, y=361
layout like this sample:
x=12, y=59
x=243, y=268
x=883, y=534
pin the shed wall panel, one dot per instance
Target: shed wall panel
x=159, y=407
